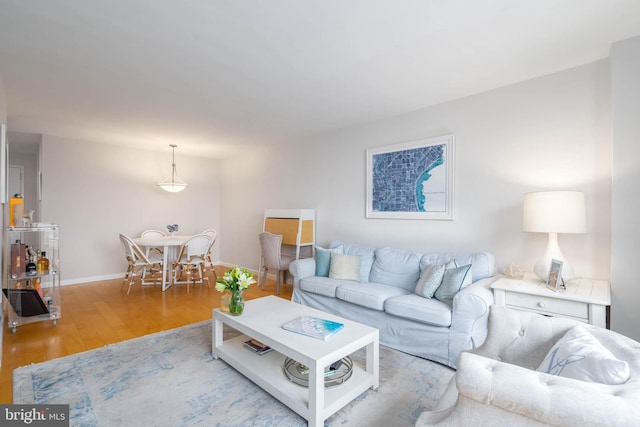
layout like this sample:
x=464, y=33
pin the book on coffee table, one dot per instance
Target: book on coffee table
x=313, y=327
x=257, y=346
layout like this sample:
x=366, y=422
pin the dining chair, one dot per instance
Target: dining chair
x=140, y=264
x=191, y=261
x=209, y=261
x=272, y=258
x=151, y=234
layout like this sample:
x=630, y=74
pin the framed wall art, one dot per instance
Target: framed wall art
x=411, y=180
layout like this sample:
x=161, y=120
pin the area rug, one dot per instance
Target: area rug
x=171, y=379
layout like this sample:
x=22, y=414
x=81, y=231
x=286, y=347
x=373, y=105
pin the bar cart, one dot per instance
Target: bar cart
x=31, y=288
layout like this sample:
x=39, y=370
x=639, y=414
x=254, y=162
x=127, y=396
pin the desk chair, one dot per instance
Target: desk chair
x=272, y=258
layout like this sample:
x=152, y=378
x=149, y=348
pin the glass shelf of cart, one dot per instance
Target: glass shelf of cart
x=34, y=227
x=31, y=276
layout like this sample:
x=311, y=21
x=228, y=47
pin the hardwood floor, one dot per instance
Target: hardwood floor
x=100, y=313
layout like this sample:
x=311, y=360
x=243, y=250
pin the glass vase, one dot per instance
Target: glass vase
x=225, y=299
x=236, y=304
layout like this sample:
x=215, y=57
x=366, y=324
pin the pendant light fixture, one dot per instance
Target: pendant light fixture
x=173, y=184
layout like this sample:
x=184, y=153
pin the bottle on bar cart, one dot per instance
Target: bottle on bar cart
x=43, y=263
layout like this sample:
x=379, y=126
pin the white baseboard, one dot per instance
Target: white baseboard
x=121, y=275
x=92, y=279
x=230, y=265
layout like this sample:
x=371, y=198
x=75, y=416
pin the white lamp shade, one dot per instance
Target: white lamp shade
x=173, y=187
x=554, y=212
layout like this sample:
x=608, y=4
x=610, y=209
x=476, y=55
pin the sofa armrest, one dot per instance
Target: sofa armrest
x=546, y=398
x=301, y=268
x=469, y=317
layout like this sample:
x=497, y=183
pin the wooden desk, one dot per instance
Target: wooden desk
x=297, y=226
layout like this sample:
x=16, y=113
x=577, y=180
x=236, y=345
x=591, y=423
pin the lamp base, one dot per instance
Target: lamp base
x=541, y=269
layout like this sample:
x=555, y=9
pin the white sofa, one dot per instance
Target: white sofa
x=384, y=298
x=497, y=384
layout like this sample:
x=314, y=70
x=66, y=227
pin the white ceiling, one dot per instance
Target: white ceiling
x=220, y=76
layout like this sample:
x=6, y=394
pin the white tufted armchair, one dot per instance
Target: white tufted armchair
x=497, y=384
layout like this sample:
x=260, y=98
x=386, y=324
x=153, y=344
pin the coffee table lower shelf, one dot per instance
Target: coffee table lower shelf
x=267, y=372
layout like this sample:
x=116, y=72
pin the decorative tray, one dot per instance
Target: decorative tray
x=335, y=374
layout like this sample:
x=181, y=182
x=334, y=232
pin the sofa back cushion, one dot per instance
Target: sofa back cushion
x=483, y=264
x=366, y=257
x=395, y=267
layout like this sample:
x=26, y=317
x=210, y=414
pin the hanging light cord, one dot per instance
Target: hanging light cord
x=173, y=163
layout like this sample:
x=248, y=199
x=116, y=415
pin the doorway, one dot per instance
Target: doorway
x=16, y=180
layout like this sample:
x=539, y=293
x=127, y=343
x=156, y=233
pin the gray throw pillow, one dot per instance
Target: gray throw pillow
x=451, y=283
x=430, y=280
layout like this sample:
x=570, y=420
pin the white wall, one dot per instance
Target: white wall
x=553, y=132
x=3, y=104
x=95, y=191
x=625, y=67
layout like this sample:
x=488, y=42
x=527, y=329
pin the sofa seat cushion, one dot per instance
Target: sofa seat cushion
x=395, y=267
x=370, y=295
x=321, y=285
x=423, y=310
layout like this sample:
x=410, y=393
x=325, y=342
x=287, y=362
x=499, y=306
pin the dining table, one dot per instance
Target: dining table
x=169, y=245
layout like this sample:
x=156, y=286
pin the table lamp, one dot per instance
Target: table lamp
x=554, y=212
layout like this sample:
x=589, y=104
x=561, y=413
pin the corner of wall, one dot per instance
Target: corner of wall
x=3, y=103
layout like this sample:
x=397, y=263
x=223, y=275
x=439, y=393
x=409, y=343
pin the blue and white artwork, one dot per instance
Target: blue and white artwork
x=411, y=180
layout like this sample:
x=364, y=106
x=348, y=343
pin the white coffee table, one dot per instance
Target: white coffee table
x=263, y=319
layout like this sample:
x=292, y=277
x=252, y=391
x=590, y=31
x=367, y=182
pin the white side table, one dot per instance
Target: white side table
x=585, y=300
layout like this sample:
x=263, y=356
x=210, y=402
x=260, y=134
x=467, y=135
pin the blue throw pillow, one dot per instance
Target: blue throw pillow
x=323, y=260
x=452, y=282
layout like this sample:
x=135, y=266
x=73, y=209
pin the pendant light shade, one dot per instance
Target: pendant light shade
x=173, y=183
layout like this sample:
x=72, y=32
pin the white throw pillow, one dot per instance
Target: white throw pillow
x=345, y=267
x=579, y=355
x=429, y=280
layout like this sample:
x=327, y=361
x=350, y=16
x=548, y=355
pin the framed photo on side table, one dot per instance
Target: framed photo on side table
x=554, y=282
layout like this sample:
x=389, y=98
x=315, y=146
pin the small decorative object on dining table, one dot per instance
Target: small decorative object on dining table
x=236, y=280
x=172, y=228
